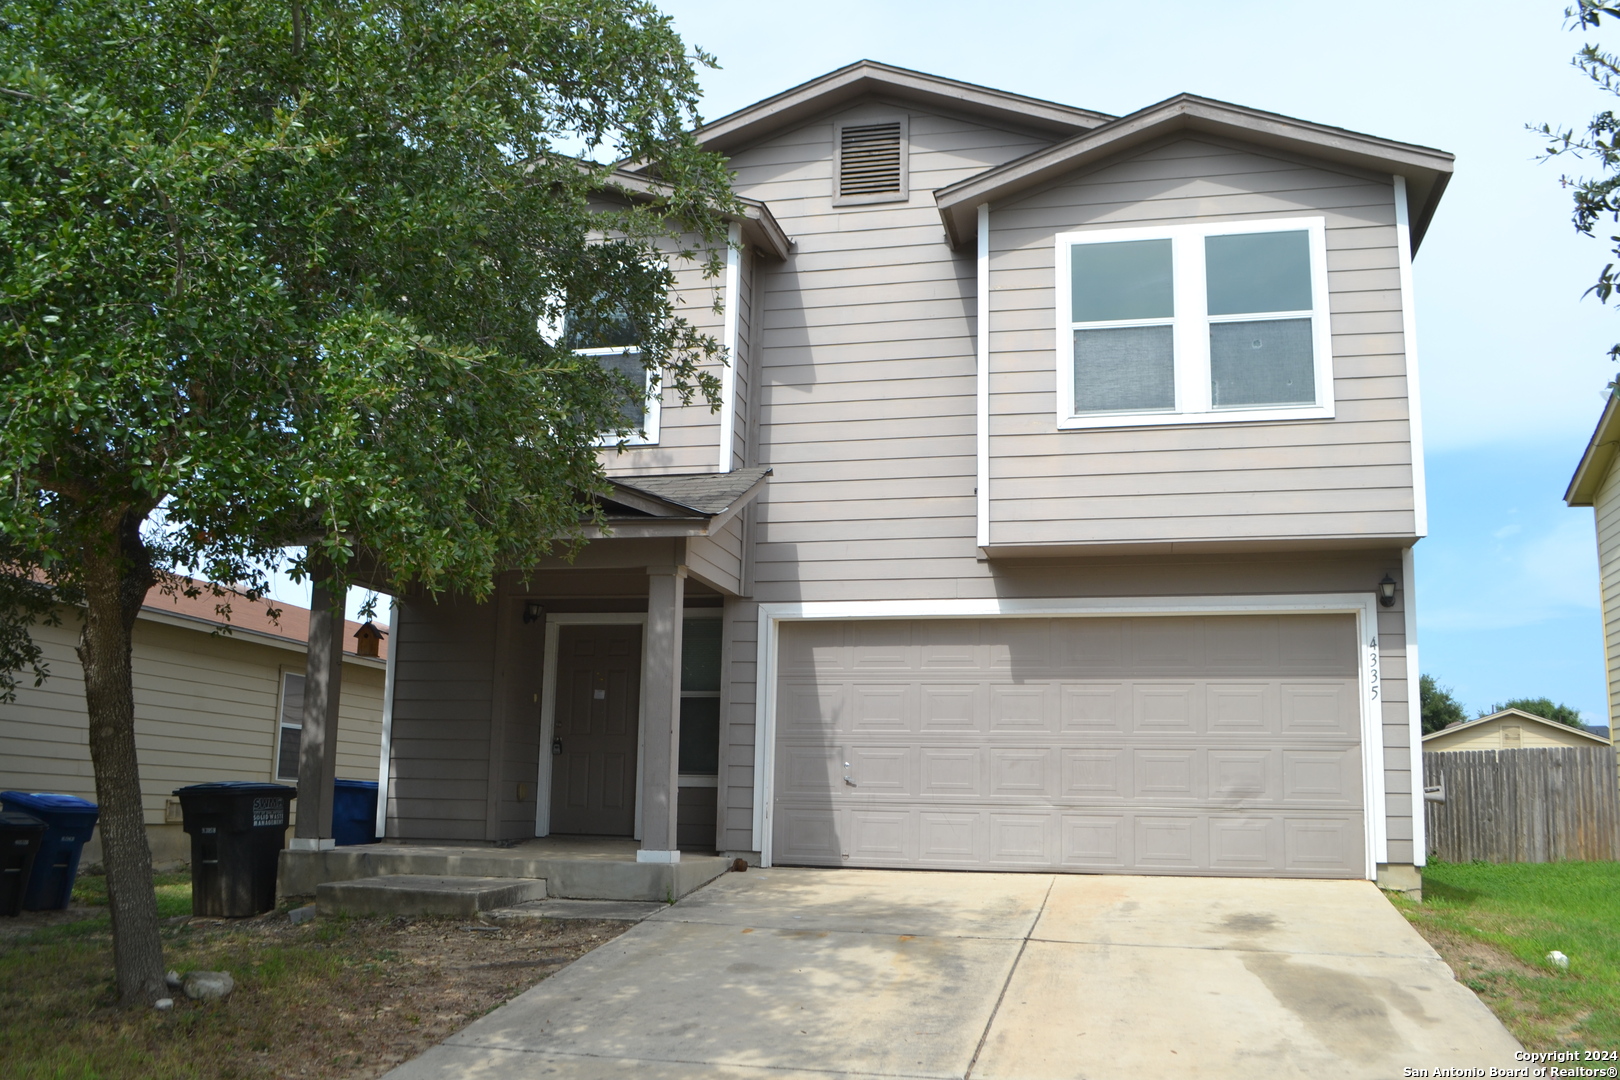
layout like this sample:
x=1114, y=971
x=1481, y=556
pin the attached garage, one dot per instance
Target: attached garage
x=1205, y=744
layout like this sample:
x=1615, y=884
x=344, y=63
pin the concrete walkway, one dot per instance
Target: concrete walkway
x=789, y=974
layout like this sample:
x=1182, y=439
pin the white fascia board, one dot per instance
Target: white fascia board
x=1362, y=605
x=1414, y=399
x=981, y=489
x=1414, y=706
x=728, y=374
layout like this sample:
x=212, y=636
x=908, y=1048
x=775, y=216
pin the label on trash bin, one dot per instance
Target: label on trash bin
x=269, y=812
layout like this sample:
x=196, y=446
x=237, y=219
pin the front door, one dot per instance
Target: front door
x=593, y=774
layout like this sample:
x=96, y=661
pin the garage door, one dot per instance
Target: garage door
x=1176, y=745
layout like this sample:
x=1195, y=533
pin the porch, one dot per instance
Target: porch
x=572, y=867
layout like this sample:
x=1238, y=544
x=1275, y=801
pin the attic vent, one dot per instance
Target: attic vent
x=869, y=160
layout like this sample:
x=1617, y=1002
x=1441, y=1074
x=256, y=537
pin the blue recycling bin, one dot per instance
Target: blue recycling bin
x=69, y=821
x=354, y=812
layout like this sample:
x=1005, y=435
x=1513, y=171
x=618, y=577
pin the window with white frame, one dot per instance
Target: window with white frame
x=1210, y=322
x=616, y=346
x=290, y=729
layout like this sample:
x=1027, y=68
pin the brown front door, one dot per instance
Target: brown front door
x=593, y=772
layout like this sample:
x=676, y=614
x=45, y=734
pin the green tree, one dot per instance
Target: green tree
x=1596, y=198
x=278, y=274
x=1545, y=708
x=1438, y=707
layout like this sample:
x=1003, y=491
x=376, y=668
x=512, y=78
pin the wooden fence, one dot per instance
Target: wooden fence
x=1544, y=804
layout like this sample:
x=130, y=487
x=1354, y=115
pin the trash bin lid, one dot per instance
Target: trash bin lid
x=237, y=787
x=356, y=785
x=45, y=801
x=16, y=819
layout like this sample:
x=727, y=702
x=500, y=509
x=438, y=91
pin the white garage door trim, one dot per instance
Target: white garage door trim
x=1364, y=606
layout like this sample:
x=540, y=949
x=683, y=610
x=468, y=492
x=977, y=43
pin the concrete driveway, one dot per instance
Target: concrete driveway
x=786, y=974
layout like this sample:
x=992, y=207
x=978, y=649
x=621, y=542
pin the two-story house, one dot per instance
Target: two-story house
x=1058, y=515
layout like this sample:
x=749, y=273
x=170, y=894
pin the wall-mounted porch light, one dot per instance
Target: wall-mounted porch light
x=1386, y=591
x=533, y=611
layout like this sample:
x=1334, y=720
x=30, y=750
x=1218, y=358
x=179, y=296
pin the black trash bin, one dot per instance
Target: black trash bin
x=69, y=821
x=237, y=829
x=20, y=835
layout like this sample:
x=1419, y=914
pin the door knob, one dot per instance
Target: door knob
x=556, y=747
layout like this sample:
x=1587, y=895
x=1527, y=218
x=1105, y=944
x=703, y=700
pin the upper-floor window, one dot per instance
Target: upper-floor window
x=1194, y=323
x=615, y=344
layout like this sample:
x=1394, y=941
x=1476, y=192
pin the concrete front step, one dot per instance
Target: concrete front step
x=575, y=876
x=421, y=894
x=616, y=910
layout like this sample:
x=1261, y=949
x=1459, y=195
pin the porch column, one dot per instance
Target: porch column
x=317, y=744
x=661, y=687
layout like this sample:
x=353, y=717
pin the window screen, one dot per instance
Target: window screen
x=292, y=726
x=1125, y=280
x=700, y=697
x=1124, y=367
x=628, y=364
x=1262, y=363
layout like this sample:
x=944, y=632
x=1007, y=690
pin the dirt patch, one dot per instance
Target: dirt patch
x=1509, y=987
x=409, y=984
x=338, y=999
x=1467, y=956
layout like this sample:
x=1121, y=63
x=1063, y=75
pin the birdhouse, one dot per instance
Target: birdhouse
x=368, y=638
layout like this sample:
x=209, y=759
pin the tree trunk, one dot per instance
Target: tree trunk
x=115, y=585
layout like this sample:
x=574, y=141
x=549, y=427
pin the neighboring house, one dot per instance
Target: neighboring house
x=1596, y=483
x=1062, y=463
x=208, y=706
x=1510, y=729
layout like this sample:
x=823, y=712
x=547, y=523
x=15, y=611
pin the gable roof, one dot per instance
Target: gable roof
x=1600, y=451
x=1517, y=714
x=867, y=77
x=1427, y=170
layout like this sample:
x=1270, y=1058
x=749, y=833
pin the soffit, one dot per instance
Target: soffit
x=1597, y=458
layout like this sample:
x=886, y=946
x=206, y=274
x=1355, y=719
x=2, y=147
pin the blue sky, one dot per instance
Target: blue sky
x=1514, y=362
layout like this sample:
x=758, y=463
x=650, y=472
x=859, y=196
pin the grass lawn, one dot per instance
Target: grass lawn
x=334, y=998
x=1495, y=925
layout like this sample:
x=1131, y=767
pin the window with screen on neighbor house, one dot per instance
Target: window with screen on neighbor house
x=1212, y=322
x=291, y=727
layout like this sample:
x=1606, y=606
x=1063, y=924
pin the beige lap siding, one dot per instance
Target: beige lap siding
x=443, y=701
x=1343, y=477
x=1606, y=505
